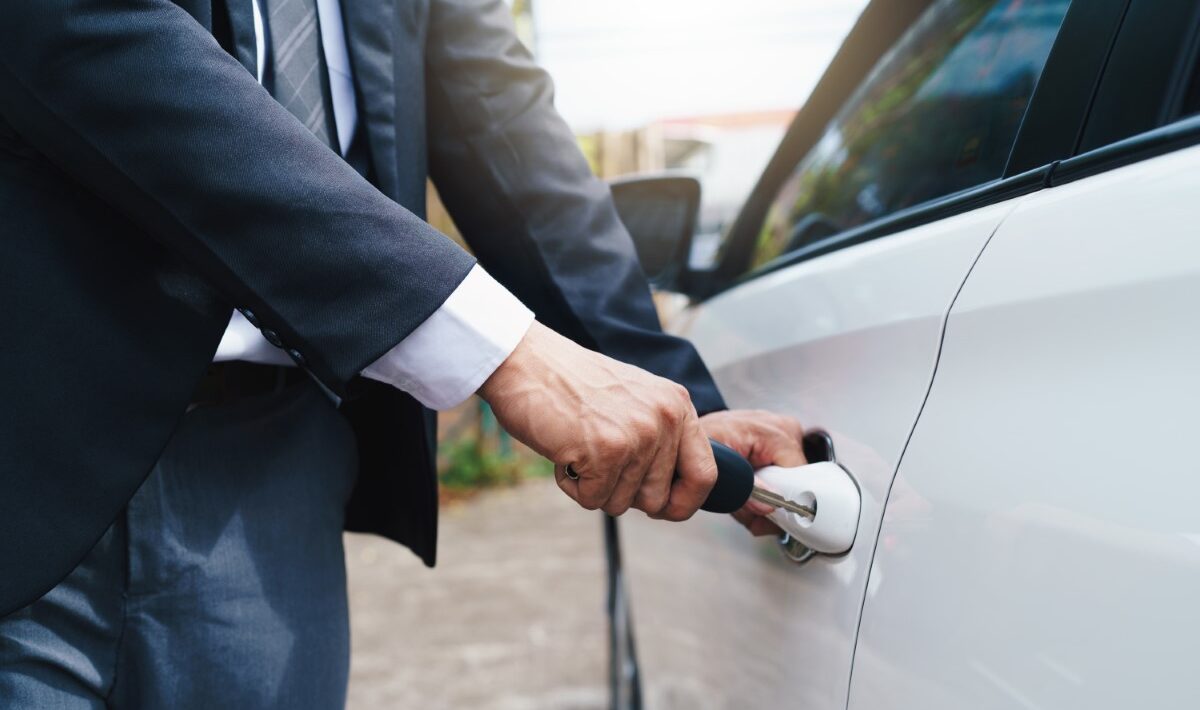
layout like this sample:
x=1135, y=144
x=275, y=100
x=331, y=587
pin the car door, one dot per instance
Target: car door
x=1040, y=548
x=836, y=318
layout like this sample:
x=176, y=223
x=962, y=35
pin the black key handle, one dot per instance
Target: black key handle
x=735, y=481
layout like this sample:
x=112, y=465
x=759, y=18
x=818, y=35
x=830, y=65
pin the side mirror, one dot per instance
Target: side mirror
x=660, y=213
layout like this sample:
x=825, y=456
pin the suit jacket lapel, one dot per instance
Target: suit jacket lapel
x=371, y=28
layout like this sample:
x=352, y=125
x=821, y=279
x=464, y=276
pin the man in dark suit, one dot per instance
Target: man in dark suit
x=170, y=521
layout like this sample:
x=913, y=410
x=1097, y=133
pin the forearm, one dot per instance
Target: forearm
x=510, y=172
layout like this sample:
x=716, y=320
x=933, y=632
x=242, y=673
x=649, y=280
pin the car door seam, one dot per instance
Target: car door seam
x=903, y=450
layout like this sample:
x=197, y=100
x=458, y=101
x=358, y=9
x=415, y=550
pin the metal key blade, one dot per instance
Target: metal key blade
x=774, y=499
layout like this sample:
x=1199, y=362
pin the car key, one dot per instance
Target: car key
x=774, y=499
x=735, y=485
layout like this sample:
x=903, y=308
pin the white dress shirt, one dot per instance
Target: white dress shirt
x=456, y=349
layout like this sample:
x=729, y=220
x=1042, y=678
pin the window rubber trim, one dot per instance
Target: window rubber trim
x=1135, y=149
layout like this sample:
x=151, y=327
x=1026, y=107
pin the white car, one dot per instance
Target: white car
x=973, y=269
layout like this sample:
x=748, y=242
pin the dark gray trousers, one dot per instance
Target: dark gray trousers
x=222, y=585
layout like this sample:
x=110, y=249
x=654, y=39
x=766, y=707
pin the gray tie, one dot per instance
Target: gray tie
x=299, y=65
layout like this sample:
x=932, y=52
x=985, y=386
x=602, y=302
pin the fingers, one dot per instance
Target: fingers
x=764, y=438
x=752, y=516
x=565, y=483
x=626, y=489
x=697, y=472
x=661, y=462
x=636, y=486
x=791, y=426
x=651, y=450
x=757, y=507
x=780, y=448
x=655, y=491
x=614, y=466
x=594, y=484
x=774, y=439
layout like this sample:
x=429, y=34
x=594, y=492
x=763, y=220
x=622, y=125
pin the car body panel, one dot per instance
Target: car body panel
x=847, y=343
x=1041, y=547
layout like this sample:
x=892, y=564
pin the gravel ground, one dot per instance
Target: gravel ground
x=512, y=617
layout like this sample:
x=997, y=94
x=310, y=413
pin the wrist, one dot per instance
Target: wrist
x=515, y=367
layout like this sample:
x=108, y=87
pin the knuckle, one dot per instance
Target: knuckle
x=589, y=502
x=643, y=438
x=629, y=445
x=644, y=427
x=651, y=502
x=790, y=425
x=616, y=508
x=591, y=494
x=775, y=435
x=676, y=514
x=670, y=411
x=612, y=446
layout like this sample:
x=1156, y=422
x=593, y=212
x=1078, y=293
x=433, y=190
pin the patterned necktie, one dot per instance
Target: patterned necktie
x=300, y=75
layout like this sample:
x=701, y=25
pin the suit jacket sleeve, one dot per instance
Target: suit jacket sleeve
x=511, y=174
x=135, y=100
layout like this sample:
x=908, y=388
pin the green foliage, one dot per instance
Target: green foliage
x=469, y=465
x=484, y=456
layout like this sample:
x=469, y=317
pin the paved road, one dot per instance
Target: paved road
x=513, y=616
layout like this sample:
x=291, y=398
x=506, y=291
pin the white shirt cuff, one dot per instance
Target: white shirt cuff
x=449, y=356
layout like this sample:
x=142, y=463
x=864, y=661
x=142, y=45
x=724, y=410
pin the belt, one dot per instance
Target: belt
x=230, y=381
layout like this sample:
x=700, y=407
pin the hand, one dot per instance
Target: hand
x=765, y=439
x=624, y=431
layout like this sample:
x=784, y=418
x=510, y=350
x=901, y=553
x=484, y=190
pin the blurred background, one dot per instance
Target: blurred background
x=513, y=616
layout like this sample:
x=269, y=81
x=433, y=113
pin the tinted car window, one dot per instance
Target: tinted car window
x=938, y=114
x=1190, y=101
x=1146, y=73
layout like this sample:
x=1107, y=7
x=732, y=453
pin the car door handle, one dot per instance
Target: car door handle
x=827, y=497
x=832, y=494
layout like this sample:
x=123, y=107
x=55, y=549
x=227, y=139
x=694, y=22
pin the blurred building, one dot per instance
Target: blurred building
x=726, y=152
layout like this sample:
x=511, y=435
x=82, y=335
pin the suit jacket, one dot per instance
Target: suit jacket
x=148, y=184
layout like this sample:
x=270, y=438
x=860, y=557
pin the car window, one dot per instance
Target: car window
x=1145, y=79
x=938, y=114
x=1190, y=101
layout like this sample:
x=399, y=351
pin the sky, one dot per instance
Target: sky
x=623, y=63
